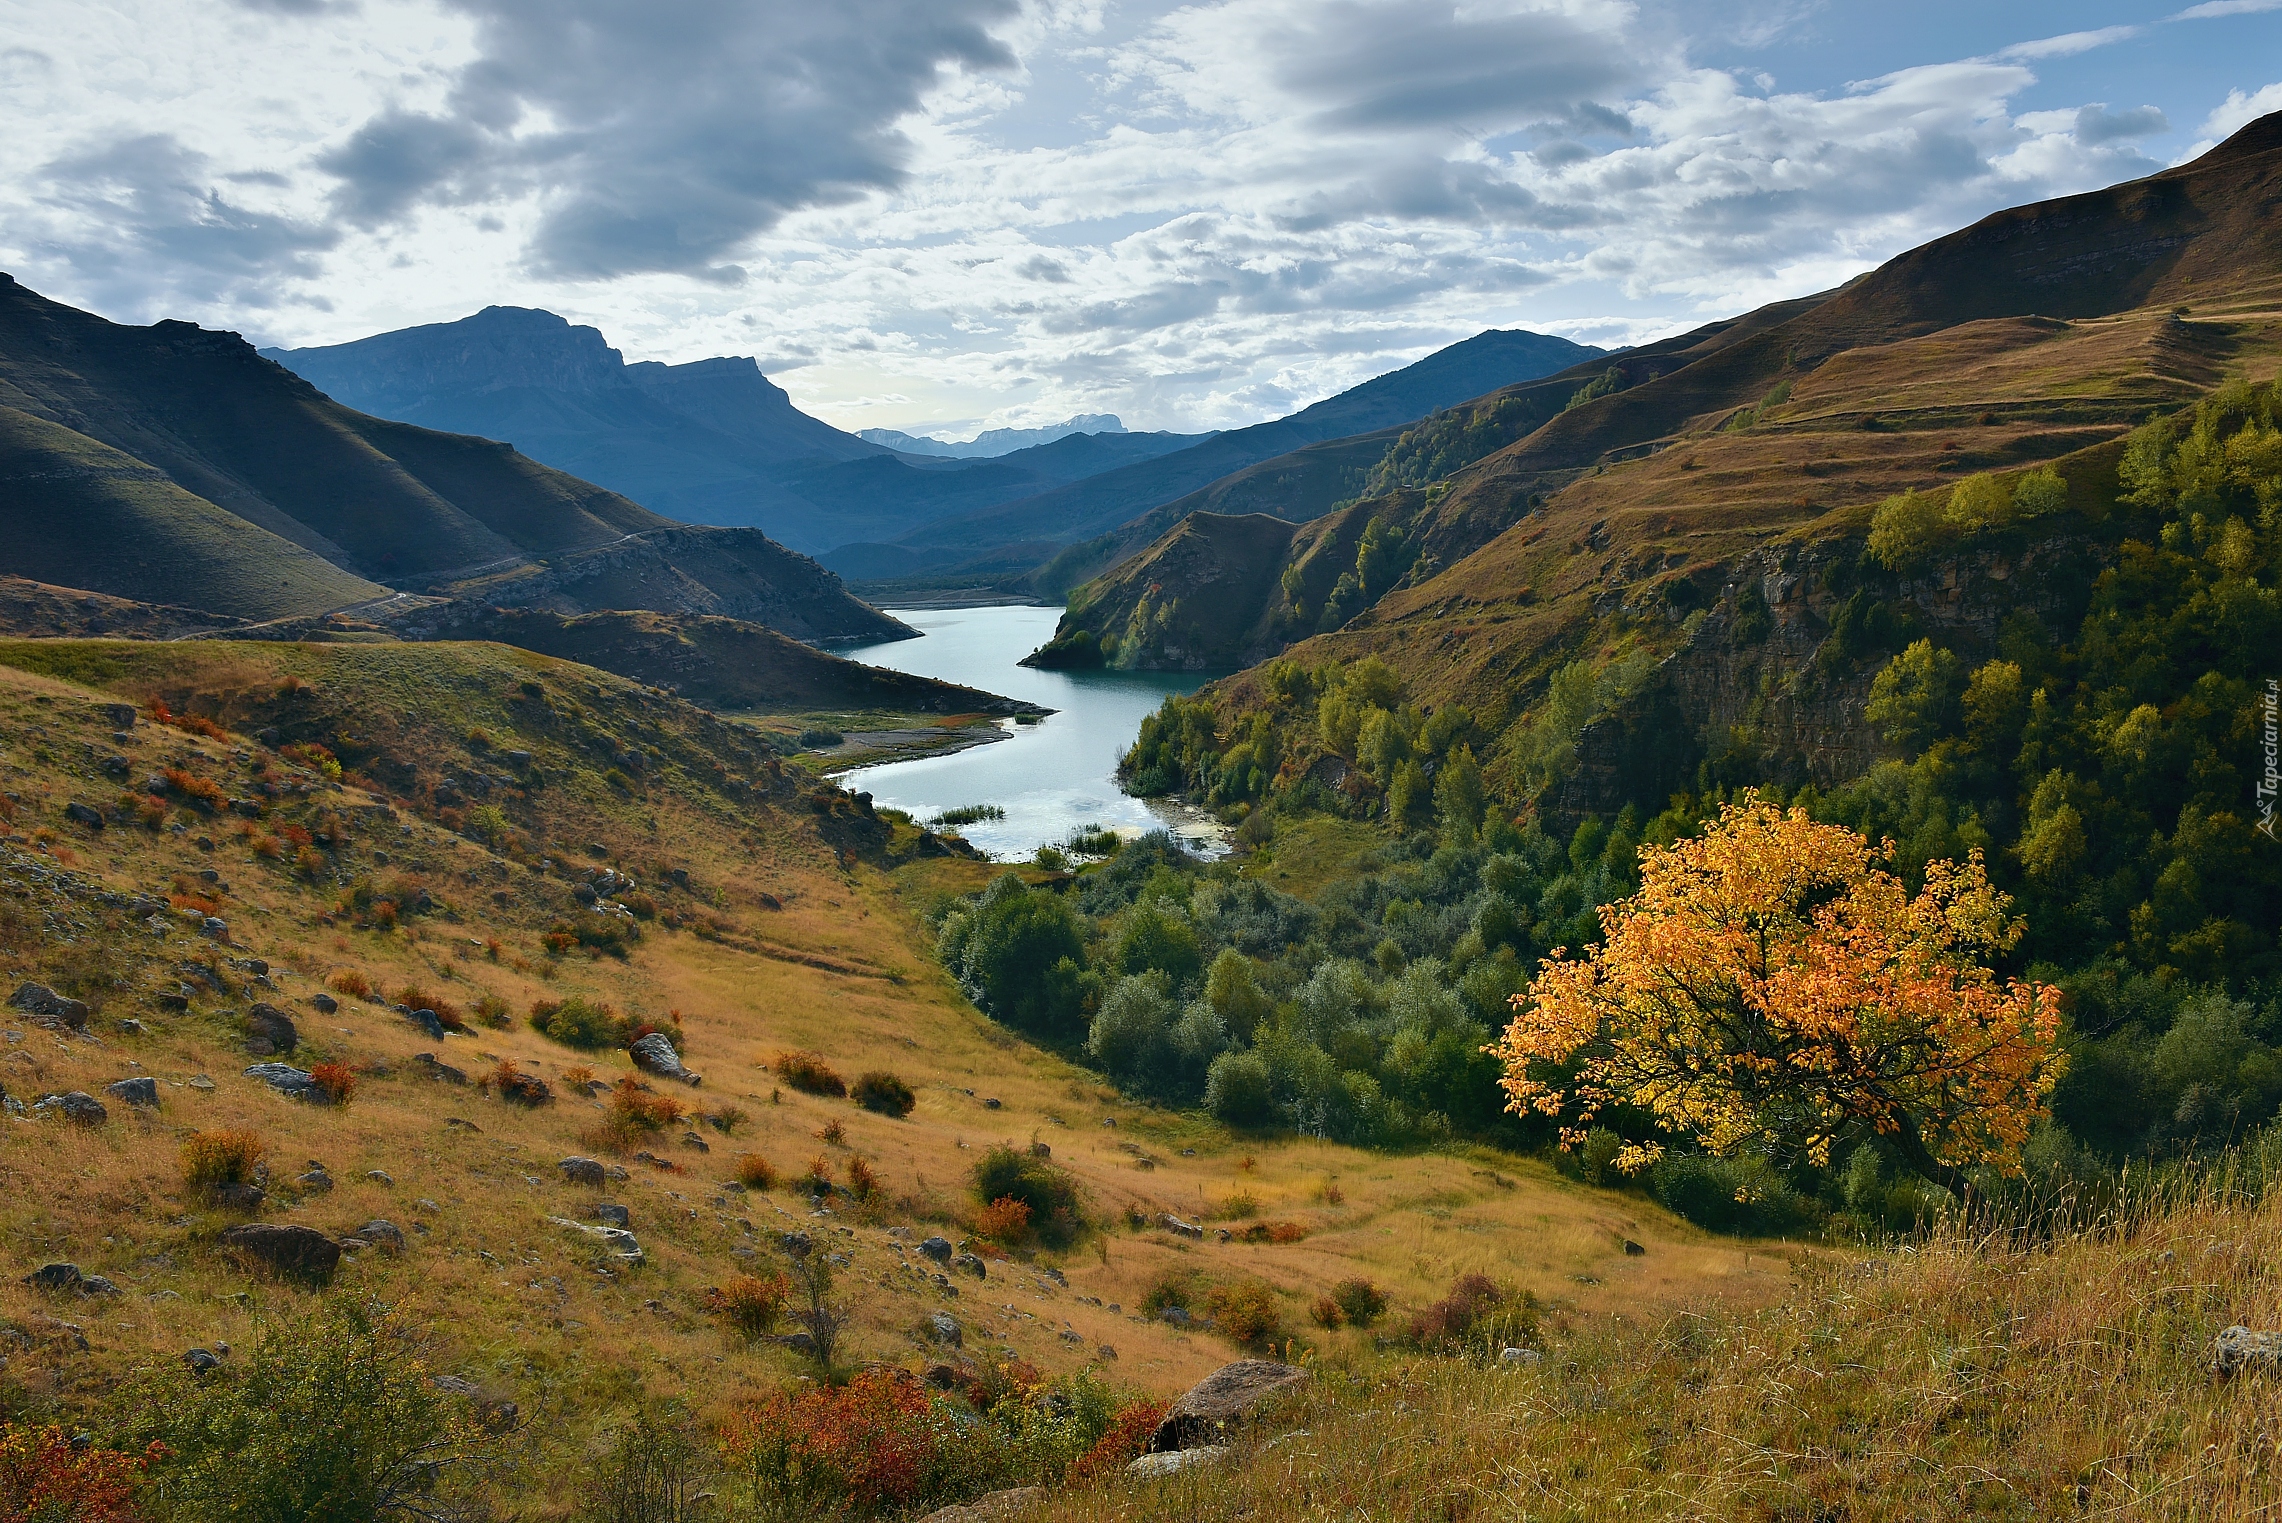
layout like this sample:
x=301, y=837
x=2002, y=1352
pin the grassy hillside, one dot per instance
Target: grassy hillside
x=422, y=818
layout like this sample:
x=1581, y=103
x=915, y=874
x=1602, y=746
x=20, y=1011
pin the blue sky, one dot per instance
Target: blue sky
x=954, y=214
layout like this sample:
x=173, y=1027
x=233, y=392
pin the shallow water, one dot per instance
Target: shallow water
x=1051, y=777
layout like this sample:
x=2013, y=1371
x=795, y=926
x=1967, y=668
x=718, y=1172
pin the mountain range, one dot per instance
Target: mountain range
x=993, y=441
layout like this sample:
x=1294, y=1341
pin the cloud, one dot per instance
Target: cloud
x=664, y=138
x=2068, y=44
x=142, y=210
x=2097, y=124
x=2238, y=111
x=2212, y=9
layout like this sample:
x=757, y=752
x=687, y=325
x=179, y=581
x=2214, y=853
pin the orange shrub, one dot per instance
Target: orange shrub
x=202, y=791
x=265, y=845
x=578, y=1076
x=352, y=983
x=1126, y=1440
x=833, y=1132
x=1005, y=1219
x=809, y=1074
x=818, y=1179
x=297, y=835
x=413, y=997
x=1325, y=1313
x=863, y=1183
x=633, y=1106
x=1246, y=1311
x=225, y=1157
x=46, y=1473
x=310, y=862
x=515, y=1086
x=872, y=1442
x=756, y=1172
x=336, y=1080
x=749, y=1304
x=1275, y=1232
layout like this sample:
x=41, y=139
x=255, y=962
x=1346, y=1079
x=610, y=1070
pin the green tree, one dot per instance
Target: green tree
x=1914, y=700
x=1234, y=994
x=1240, y=1091
x=1907, y=530
x=1020, y=954
x=1158, y=937
x=1458, y=792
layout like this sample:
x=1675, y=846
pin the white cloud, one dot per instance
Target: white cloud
x=2067, y=44
x=2212, y=9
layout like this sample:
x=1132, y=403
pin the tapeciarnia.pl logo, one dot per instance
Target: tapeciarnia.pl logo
x=2270, y=741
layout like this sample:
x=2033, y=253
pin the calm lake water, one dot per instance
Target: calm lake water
x=1050, y=777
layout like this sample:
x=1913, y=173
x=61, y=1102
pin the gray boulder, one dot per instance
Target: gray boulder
x=989, y=1508
x=1159, y=1463
x=611, y=1214
x=49, y=1008
x=324, y=1003
x=201, y=1360
x=79, y=1106
x=382, y=1234
x=937, y=1248
x=290, y=1252
x=81, y=814
x=1221, y=1400
x=1174, y=1224
x=968, y=1263
x=291, y=1082
x=54, y=1277
x=616, y=1242
x=943, y=1328
x=428, y=1021
x=2240, y=1348
x=142, y=1092
x=654, y=1054
x=583, y=1171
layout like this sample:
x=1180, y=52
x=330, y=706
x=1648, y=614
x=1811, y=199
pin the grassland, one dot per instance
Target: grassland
x=783, y=919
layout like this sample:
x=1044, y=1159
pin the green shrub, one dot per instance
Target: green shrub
x=1359, y=1301
x=588, y=1025
x=882, y=1091
x=1742, y=1195
x=809, y=1074
x=1049, y=1191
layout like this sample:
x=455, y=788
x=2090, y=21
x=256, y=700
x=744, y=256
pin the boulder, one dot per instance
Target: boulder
x=1221, y=1400
x=291, y=1082
x=425, y=1065
x=237, y=1197
x=384, y=1235
x=79, y=1106
x=142, y=1092
x=938, y=1249
x=267, y=1023
x=1174, y=1224
x=81, y=814
x=291, y=1252
x=2240, y=1348
x=617, y=1242
x=49, y=1008
x=654, y=1054
x=1519, y=1356
x=989, y=1508
x=54, y=1277
x=201, y=1360
x=325, y=1003
x=583, y=1171
x=968, y=1263
x=1158, y=1463
x=428, y=1021
x=611, y=1214
x=942, y=1328
x=318, y=1181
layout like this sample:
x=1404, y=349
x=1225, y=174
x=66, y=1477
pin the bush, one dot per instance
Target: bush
x=494, y=1012
x=588, y=1025
x=1126, y=1440
x=611, y=935
x=881, y=1091
x=337, y=1081
x=516, y=1087
x=1742, y=1195
x=1049, y=1192
x=809, y=1074
x=633, y=1108
x=656, y=1471
x=1020, y=954
x=214, y=1159
x=1239, y=1090
x=1360, y=1301
x=50, y=1476
x=1325, y=1313
x=352, y=983
x=1004, y=1220
x=1169, y=1289
x=863, y=1181
x=1246, y=1311
x=751, y=1305
x=1276, y=1232
x=1477, y=1315
x=413, y=997
x=755, y=1172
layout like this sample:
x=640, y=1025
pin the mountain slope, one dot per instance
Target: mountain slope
x=994, y=441
x=1079, y=511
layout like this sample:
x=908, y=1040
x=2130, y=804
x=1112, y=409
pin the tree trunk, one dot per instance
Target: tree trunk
x=1918, y=1156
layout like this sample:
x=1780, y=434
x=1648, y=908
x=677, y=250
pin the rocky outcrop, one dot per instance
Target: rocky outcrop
x=655, y=1054
x=1222, y=1400
x=288, y=1251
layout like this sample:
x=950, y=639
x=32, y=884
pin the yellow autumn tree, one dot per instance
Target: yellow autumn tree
x=1774, y=985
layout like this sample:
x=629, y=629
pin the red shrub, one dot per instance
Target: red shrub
x=352, y=983
x=1005, y=1219
x=809, y=1074
x=872, y=1441
x=863, y=1181
x=336, y=1080
x=749, y=1304
x=1127, y=1439
x=44, y=1476
x=202, y=791
x=413, y=997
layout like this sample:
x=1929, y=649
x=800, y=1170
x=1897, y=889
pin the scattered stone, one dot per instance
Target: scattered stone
x=1175, y=1225
x=80, y=814
x=49, y=1008
x=968, y=1263
x=1519, y=1356
x=315, y=1182
x=237, y=1197
x=201, y=1360
x=325, y=1003
x=1040, y=1150
x=936, y=1248
x=583, y=1171
x=617, y=1242
x=989, y=1508
x=121, y=716
x=217, y=928
x=519, y=1088
x=1160, y=1463
x=1057, y=1276
x=200, y=1081
x=67, y=1277
x=384, y=1235
x=460, y=1124
x=267, y=1023
x=2240, y=1348
x=692, y=1140
x=294, y=1252
x=428, y=1021
x=1633, y=1249
x=142, y=1092
x=1105, y=1352
x=79, y=1106
x=291, y=1082
x=97, y=1285
x=992, y=1103
x=1223, y=1398
x=611, y=1214
x=380, y=1176
x=942, y=1328
x=132, y=1027
x=1177, y=1315
x=799, y=1343
x=655, y=1054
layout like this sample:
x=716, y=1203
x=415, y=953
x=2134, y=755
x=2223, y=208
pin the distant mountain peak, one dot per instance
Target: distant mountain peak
x=994, y=442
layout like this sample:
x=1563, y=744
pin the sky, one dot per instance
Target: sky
x=947, y=215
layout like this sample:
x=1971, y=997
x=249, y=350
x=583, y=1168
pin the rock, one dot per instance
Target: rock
x=1056, y=1276
x=611, y=1214
x=67, y=1277
x=1158, y=1463
x=237, y=1197
x=2240, y=1348
x=267, y=1023
x=1040, y=1150
x=97, y=1285
x=936, y=1248
x=291, y=1082
x=428, y=1021
x=292, y=1252
x=1226, y=1396
x=384, y=1235
x=1519, y=1356
x=425, y=1065
x=519, y=1088
x=942, y=1328
x=583, y=1171
x=80, y=814
x=1633, y=1249
x=121, y=716
x=325, y=1003
x=1174, y=1224
x=49, y=1008
x=799, y=1343
x=1105, y=1352
x=142, y=1092
x=380, y=1176
x=615, y=1241
x=201, y=1360
x=992, y=1103
x=173, y=1004
x=692, y=1140
x=132, y=1027
x=79, y=1106
x=989, y=1508
x=1178, y=1316
x=315, y=1182
x=216, y=927
x=968, y=1263
x=654, y=1054
x=200, y=1082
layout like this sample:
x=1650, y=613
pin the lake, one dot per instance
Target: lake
x=1051, y=777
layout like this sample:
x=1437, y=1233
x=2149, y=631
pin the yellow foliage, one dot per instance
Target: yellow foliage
x=1773, y=985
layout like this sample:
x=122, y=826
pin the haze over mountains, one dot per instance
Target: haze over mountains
x=993, y=441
